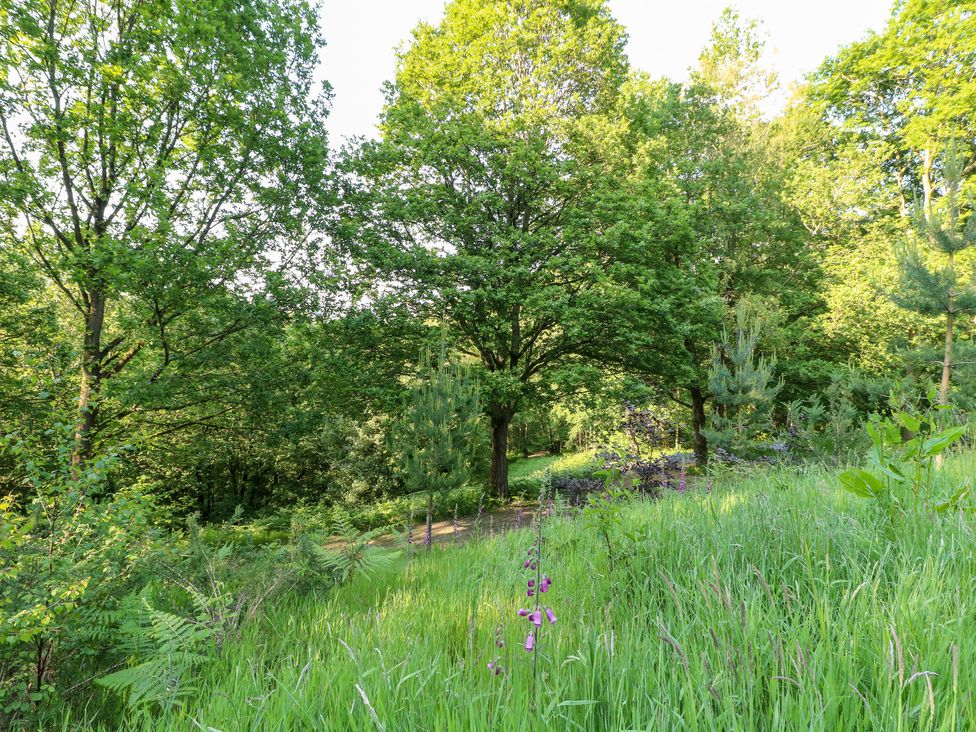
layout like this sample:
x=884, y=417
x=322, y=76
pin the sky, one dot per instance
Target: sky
x=666, y=37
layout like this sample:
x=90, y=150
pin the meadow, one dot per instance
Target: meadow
x=776, y=601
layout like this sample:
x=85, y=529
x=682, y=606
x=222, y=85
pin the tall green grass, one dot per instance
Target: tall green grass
x=774, y=603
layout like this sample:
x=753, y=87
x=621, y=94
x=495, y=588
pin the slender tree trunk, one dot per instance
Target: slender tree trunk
x=947, y=355
x=91, y=380
x=947, y=360
x=698, y=423
x=927, y=162
x=498, y=472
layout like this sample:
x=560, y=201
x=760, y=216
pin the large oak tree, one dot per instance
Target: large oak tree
x=484, y=204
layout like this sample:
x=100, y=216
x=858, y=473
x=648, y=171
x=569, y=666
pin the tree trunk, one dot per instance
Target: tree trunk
x=91, y=380
x=947, y=360
x=927, y=162
x=498, y=472
x=698, y=423
x=947, y=355
x=429, y=526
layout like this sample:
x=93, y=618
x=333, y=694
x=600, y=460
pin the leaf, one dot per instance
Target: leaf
x=862, y=483
x=938, y=444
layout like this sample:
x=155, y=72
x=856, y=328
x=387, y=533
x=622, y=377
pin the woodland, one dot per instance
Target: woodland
x=691, y=365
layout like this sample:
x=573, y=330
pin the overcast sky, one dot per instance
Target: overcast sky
x=666, y=37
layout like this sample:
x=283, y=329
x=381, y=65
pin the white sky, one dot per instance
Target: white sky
x=666, y=37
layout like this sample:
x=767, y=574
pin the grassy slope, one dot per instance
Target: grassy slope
x=775, y=603
x=535, y=467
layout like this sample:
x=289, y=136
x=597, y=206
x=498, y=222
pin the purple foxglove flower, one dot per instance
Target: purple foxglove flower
x=532, y=566
x=536, y=618
x=544, y=586
x=527, y=563
x=551, y=615
x=491, y=665
x=529, y=592
x=531, y=583
x=530, y=642
x=523, y=612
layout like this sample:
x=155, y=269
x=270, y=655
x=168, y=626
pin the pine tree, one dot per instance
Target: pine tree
x=931, y=281
x=743, y=386
x=437, y=435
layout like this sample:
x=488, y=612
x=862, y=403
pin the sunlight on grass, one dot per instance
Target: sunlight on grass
x=774, y=603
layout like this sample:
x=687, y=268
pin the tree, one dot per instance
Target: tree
x=732, y=65
x=939, y=289
x=438, y=431
x=742, y=386
x=152, y=155
x=482, y=203
x=725, y=232
x=865, y=134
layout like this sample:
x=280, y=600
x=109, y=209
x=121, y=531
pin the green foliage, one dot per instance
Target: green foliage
x=436, y=436
x=743, y=387
x=155, y=156
x=901, y=475
x=171, y=648
x=774, y=574
x=604, y=510
x=827, y=428
x=65, y=560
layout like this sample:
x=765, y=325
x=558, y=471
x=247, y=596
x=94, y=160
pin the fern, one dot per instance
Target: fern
x=174, y=645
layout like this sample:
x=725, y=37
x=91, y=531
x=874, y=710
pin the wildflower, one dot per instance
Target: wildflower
x=681, y=480
x=551, y=615
x=536, y=618
x=708, y=484
x=523, y=612
x=530, y=642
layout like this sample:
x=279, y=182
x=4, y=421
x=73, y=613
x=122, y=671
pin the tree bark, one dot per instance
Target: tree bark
x=947, y=360
x=91, y=380
x=498, y=472
x=698, y=423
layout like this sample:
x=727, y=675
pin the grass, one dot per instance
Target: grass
x=535, y=467
x=775, y=603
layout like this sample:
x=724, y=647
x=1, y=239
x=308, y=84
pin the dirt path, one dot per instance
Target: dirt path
x=469, y=527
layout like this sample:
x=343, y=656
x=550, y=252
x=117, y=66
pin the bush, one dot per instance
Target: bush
x=66, y=560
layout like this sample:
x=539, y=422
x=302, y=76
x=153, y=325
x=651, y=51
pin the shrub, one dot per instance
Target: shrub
x=66, y=559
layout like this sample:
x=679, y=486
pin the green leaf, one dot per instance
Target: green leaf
x=938, y=444
x=862, y=483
